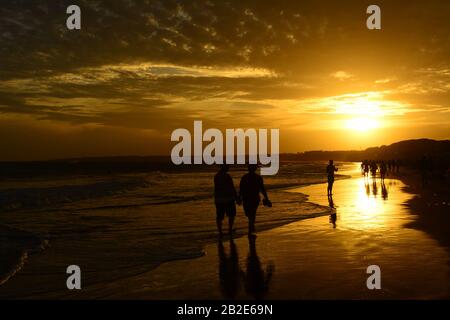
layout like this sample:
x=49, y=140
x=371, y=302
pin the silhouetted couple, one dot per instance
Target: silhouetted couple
x=226, y=197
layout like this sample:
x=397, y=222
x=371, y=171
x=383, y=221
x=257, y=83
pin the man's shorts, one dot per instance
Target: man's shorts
x=226, y=208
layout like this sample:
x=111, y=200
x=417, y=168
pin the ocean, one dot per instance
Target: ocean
x=116, y=225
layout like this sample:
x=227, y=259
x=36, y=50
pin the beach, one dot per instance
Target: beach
x=116, y=225
x=306, y=248
x=310, y=259
x=322, y=254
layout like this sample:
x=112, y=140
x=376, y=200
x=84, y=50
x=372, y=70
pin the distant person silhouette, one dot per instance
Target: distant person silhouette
x=366, y=168
x=256, y=279
x=373, y=169
x=391, y=165
x=424, y=168
x=229, y=270
x=250, y=187
x=331, y=169
x=225, y=197
x=383, y=170
x=397, y=166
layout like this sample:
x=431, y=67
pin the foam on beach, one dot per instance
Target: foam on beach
x=16, y=247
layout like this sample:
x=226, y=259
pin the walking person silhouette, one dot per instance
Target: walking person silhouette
x=225, y=196
x=331, y=169
x=250, y=187
x=366, y=168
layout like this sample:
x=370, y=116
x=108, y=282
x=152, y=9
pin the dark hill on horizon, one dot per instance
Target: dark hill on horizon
x=407, y=151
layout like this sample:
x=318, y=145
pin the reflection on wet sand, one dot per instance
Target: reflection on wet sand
x=384, y=191
x=360, y=201
x=229, y=271
x=255, y=278
x=333, y=215
x=315, y=261
x=367, y=186
x=374, y=188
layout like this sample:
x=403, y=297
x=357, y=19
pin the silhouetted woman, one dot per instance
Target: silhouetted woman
x=251, y=186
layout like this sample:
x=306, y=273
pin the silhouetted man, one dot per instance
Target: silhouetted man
x=251, y=186
x=331, y=169
x=225, y=197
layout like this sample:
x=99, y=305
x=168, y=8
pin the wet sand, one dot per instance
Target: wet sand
x=312, y=259
x=307, y=259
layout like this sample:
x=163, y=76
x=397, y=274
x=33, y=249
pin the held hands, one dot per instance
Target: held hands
x=267, y=203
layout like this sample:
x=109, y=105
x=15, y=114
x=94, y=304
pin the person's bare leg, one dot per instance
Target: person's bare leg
x=230, y=225
x=251, y=226
x=219, y=226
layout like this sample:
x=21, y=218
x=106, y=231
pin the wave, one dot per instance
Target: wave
x=178, y=222
x=159, y=200
x=15, y=249
x=35, y=197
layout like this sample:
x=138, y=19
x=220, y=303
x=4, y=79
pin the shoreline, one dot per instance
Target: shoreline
x=320, y=267
x=171, y=279
x=28, y=266
x=20, y=245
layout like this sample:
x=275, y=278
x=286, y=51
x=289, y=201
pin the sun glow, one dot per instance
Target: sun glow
x=362, y=124
x=364, y=112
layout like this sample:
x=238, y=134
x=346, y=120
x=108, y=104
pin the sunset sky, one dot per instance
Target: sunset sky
x=137, y=70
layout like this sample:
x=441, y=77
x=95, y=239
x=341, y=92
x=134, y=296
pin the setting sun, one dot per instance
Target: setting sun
x=362, y=124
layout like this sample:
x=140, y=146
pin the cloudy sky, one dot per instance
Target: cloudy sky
x=137, y=70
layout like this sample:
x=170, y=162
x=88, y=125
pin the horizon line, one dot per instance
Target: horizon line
x=246, y=155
